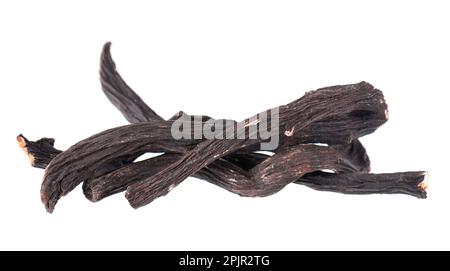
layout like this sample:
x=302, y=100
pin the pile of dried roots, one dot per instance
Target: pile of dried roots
x=333, y=116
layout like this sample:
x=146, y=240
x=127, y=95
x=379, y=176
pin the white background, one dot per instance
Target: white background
x=228, y=59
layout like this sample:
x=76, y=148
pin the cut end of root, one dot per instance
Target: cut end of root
x=424, y=184
x=128, y=196
x=49, y=209
x=91, y=195
x=48, y=205
x=88, y=192
x=22, y=142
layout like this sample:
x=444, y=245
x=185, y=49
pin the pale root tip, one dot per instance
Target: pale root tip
x=21, y=141
x=424, y=184
x=289, y=132
x=23, y=145
x=386, y=114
